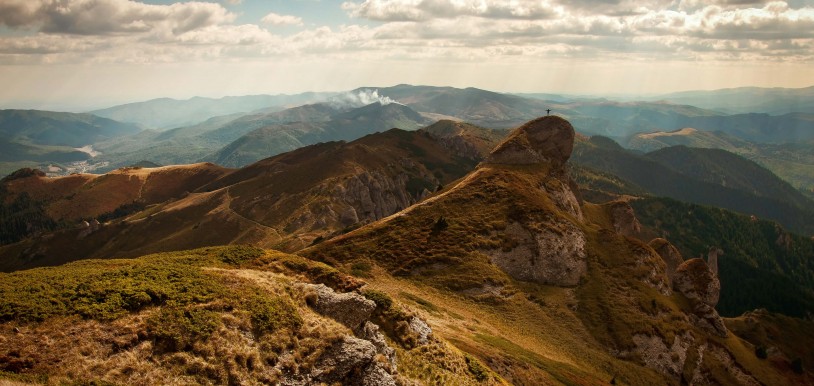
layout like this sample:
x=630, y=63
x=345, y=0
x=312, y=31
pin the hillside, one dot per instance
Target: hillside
x=334, y=125
x=559, y=293
x=59, y=129
x=31, y=137
x=793, y=162
x=761, y=266
x=504, y=276
x=221, y=315
x=167, y=113
x=602, y=154
x=286, y=201
x=33, y=203
x=723, y=168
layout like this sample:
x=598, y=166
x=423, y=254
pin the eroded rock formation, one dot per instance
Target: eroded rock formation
x=696, y=280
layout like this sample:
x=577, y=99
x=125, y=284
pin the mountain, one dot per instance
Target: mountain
x=59, y=129
x=32, y=137
x=33, y=204
x=560, y=293
x=341, y=126
x=775, y=200
x=793, y=162
x=286, y=201
x=729, y=170
x=775, y=101
x=476, y=106
x=167, y=113
x=503, y=276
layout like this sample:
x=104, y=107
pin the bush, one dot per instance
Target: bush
x=175, y=328
x=268, y=314
x=239, y=254
x=477, y=369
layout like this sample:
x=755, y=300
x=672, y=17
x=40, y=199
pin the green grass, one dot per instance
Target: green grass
x=109, y=289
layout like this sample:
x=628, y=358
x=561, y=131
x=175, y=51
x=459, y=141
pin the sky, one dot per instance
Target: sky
x=76, y=55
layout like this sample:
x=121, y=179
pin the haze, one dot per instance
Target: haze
x=84, y=54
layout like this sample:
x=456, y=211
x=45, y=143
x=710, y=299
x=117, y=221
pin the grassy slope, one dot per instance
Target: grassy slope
x=525, y=331
x=303, y=186
x=212, y=315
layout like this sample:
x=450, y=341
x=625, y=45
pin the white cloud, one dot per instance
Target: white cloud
x=415, y=10
x=276, y=19
x=120, y=31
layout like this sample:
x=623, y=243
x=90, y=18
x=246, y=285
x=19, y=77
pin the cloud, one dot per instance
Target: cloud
x=106, y=17
x=120, y=31
x=276, y=19
x=416, y=10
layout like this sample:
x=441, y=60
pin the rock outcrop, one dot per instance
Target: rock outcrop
x=350, y=309
x=669, y=253
x=624, y=219
x=551, y=250
x=544, y=256
x=695, y=280
x=712, y=258
x=354, y=357
x=546, y=139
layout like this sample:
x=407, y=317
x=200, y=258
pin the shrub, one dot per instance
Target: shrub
x=175, y=328
x=477, y=369
x=269, y=314
x=239, y=254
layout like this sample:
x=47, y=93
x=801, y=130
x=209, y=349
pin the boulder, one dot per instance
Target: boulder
x=553, y=255
x=696, y=281
x=345, y=359
x=350, y=309
x=545, y=139
x=371, y=333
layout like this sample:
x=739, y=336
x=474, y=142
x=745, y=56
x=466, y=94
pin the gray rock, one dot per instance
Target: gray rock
x=544, y=256
x=371, y=333
x=350, y=309
x=376, y=375
x=695, y=279
x=345, y=359
x=421, y=329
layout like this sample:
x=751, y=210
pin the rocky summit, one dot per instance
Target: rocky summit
x=545, y=139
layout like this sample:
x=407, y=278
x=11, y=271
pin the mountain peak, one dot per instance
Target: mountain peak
x=545, y=139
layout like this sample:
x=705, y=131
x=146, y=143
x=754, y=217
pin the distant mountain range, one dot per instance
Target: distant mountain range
x=775, y=101
x=167, y=113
